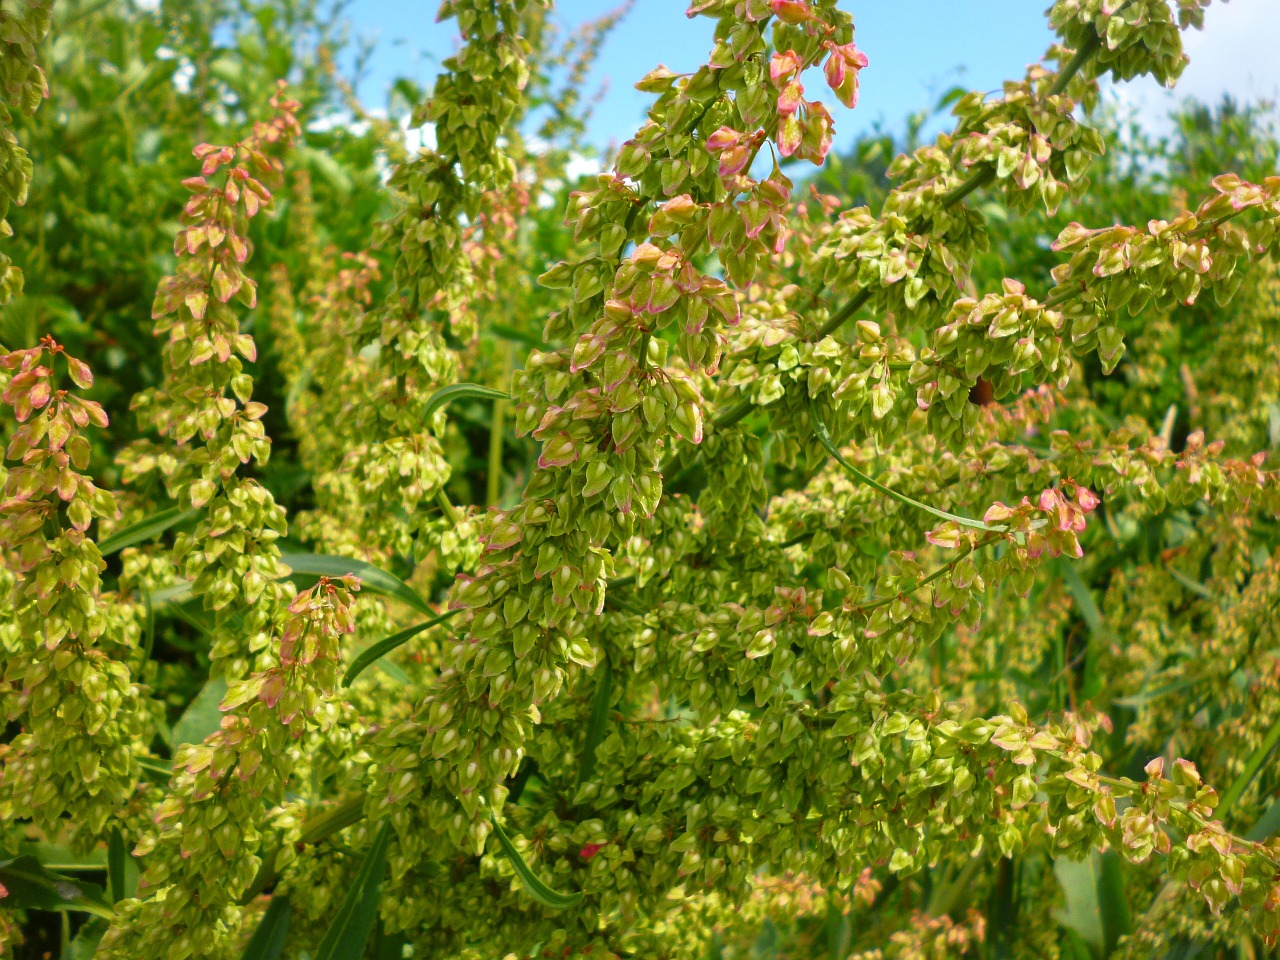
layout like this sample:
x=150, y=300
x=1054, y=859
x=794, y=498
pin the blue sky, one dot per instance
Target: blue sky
x=917, y=48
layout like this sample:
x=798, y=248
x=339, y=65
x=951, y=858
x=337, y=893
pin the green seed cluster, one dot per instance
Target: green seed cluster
x=66, y=651
x=230, y=557
x=213, y=819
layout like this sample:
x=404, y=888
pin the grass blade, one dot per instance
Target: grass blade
x=347, y=935
x=202, y=716
x=144, y=530
x=1111, y=899
x=1095, y=907
x=371, y=577
x=597, y=723
x=268, y=940
x=175, y=593
x=121, y=880
x=377, y=651
x=519, y=336
x=1251, y=768
x=534, y=886
x=460, y=391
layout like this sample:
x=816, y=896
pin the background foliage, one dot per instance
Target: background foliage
x=735, y=749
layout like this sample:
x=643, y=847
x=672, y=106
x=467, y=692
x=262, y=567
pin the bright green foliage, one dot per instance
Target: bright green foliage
x=23, y=82
x=880, y=568
x=66, y=677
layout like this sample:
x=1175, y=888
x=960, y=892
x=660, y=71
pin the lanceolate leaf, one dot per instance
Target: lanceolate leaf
x=144, y=530
x=511, y=333
x=267, y=941
x=1092, y=616
x=371, y=578
x=202, y=716
x=534, y=886
x=1093, y=891
x=58, y=859
x=174, y=593
x=85, y=945
x=460, y=391
x=597, y=723
x=30, y=886
x=381, y=648
x=1251, y=768
x=118, y=862
x=824, y=438
x=347, y=935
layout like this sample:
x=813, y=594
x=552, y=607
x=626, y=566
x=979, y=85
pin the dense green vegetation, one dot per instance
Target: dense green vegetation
x=753, y=551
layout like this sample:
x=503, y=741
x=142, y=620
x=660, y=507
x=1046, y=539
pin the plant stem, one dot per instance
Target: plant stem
x=449, y=510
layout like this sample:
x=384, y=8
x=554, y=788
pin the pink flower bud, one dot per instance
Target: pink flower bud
x=791, y=11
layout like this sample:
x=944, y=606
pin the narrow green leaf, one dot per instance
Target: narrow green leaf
x=1092, y=616
x=1199, y=589
x=267, y=941
x=157, y=770
x=85, y=945
x=59, y=859
x=460, y=391
x=1254, y=764
x=824, y=438
x=349, y=932
x=506, y=332
x=1080, y=912
x=597, y=723
x=1095, y=907
x=1267, y=825
x=144, y=530
x=202, y=716
x=118, y=861
x=31, y=886
x=1002, y=909
x=175, y=593
x=149, y=628
x=534, y=886
x=1111, y=899
x=375, y=651
x=393, y=671
x=388, y=946
x=1083, y=597
x=371, y=578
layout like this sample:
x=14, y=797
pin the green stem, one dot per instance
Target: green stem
x=450, y=511
x=940, y=572
x=824, y=438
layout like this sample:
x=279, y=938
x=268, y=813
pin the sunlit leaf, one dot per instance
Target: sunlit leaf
x=544, y=894
x=202, y=716
x=349, y=932
x=371, y=578
x=381, y=648
x=144, y=530
x=267, y=941
x=597, y=723
x=29, y=885
x=460, y=391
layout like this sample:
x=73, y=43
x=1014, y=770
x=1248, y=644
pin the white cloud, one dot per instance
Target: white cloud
x=1235, y=54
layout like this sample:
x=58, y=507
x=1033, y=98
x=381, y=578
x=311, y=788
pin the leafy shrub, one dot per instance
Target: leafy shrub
x=771, y=576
